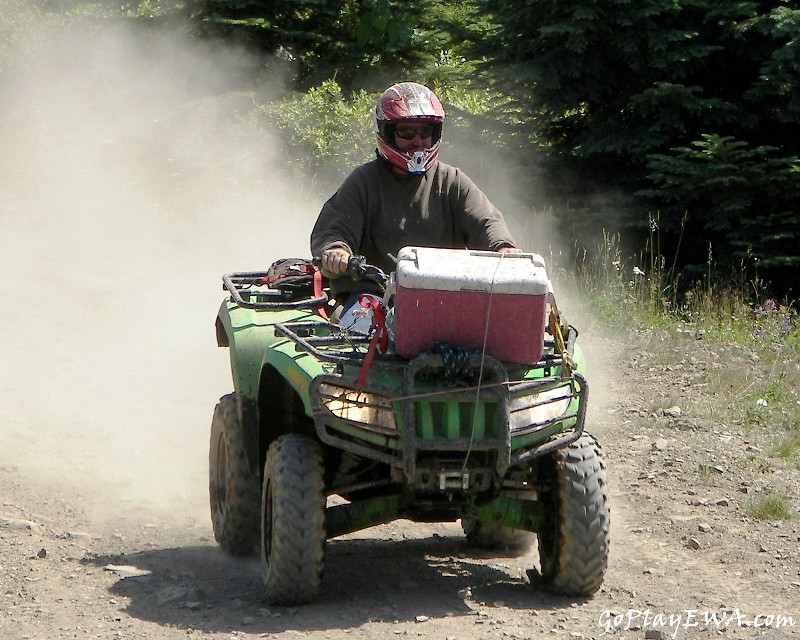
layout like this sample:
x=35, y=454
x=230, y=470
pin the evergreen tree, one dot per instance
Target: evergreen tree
x=359, y=42
x=639, y=95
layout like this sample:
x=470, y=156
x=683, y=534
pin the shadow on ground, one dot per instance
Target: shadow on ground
x=202, y=588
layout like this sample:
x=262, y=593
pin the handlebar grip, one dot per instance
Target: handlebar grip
x=355, y=266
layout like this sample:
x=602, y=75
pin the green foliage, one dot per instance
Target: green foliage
x=687, y=108
x=326, y=133
x=770, y=505
x=616, y=92
x=746, y=197
x=360, y=42
x=789, y=448
x=757, y=339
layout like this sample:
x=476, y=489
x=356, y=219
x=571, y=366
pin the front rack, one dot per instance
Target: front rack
x=341, y=347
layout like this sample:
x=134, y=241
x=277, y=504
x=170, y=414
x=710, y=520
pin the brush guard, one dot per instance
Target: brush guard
x=447, y=453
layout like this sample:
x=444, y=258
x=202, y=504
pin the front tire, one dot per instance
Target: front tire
x=233, y=488
x=574, y=545
x=293, y=520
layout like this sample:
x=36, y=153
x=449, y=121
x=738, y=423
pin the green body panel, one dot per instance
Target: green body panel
x=454, y=417
x=527, y=515
x=347, y=518
x=252, y=343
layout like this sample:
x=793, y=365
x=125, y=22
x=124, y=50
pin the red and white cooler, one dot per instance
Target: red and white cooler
x=470, y=299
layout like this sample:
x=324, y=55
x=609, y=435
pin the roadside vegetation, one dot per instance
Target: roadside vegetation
x=757, y=337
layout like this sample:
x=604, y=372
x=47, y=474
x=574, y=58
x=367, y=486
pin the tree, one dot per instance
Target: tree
x=618, y=91
x=359, y=42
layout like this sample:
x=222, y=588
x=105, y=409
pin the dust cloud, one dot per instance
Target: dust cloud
x=128, y=186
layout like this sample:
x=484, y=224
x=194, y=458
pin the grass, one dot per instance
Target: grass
x=752, y=340
x=788, y=448
x=770, y=505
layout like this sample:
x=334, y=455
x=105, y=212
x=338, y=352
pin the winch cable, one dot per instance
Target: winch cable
x=480, y=369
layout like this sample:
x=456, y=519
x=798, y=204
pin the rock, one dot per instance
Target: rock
x=672, y=412
x=72, y=535
x=126, y=570
x=704, y=527
x=661, y=445
x=693, y=543
x=655, y=634
x=22, y=525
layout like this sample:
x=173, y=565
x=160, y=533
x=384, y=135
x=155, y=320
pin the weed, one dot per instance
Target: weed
x=769, y=505
x=709, y=475
x=788, y=448
x=755, y=338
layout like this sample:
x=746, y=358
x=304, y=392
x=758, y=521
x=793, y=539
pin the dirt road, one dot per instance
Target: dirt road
x=686, y=562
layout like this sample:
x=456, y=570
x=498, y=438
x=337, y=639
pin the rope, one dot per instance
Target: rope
x=455, y=359
x=480, y=370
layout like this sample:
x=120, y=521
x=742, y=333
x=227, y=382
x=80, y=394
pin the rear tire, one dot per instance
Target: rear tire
x=574, y=545
x=233, y=488
x=293, y=520
x=487, y=535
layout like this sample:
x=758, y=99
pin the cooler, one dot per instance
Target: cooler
x=464, y=297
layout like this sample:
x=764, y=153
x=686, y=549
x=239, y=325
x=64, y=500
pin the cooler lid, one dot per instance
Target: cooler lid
x=469, y=270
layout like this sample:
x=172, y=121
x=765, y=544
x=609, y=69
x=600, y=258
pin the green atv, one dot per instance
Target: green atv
x=337, y=426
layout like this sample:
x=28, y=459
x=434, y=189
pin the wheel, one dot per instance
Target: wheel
x=293, y=520
x=486, y=535
x=233, y=488
x=574, y=544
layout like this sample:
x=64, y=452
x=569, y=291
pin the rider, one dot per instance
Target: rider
x=404, y=197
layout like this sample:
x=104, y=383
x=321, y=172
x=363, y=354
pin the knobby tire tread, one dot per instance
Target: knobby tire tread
x=583, y=524
x=234, y=515
x=294, y=503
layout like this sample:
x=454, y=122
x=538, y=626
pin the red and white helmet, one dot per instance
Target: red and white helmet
x=402, y=102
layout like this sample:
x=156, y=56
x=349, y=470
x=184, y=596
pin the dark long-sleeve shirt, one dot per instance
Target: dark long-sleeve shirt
x=376, y=212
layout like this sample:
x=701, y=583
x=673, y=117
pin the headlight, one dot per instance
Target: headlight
x=367, y=409
x=528, y=412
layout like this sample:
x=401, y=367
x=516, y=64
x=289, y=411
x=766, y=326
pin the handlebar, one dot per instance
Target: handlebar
x=359, y=270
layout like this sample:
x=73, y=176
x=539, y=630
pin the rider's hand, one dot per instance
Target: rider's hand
x=508, y=249
x=334, y=261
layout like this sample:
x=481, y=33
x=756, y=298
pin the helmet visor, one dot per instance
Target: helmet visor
x=409, y=132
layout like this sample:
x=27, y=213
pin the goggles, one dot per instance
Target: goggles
x=409, y=132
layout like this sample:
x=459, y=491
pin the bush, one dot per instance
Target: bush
x=324, y=133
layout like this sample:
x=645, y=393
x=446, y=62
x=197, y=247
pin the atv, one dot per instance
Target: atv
x=452, y=390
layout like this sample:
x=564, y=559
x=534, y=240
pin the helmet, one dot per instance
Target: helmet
x=408, y=101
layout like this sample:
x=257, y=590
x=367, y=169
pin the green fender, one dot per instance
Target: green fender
x=250, y=336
